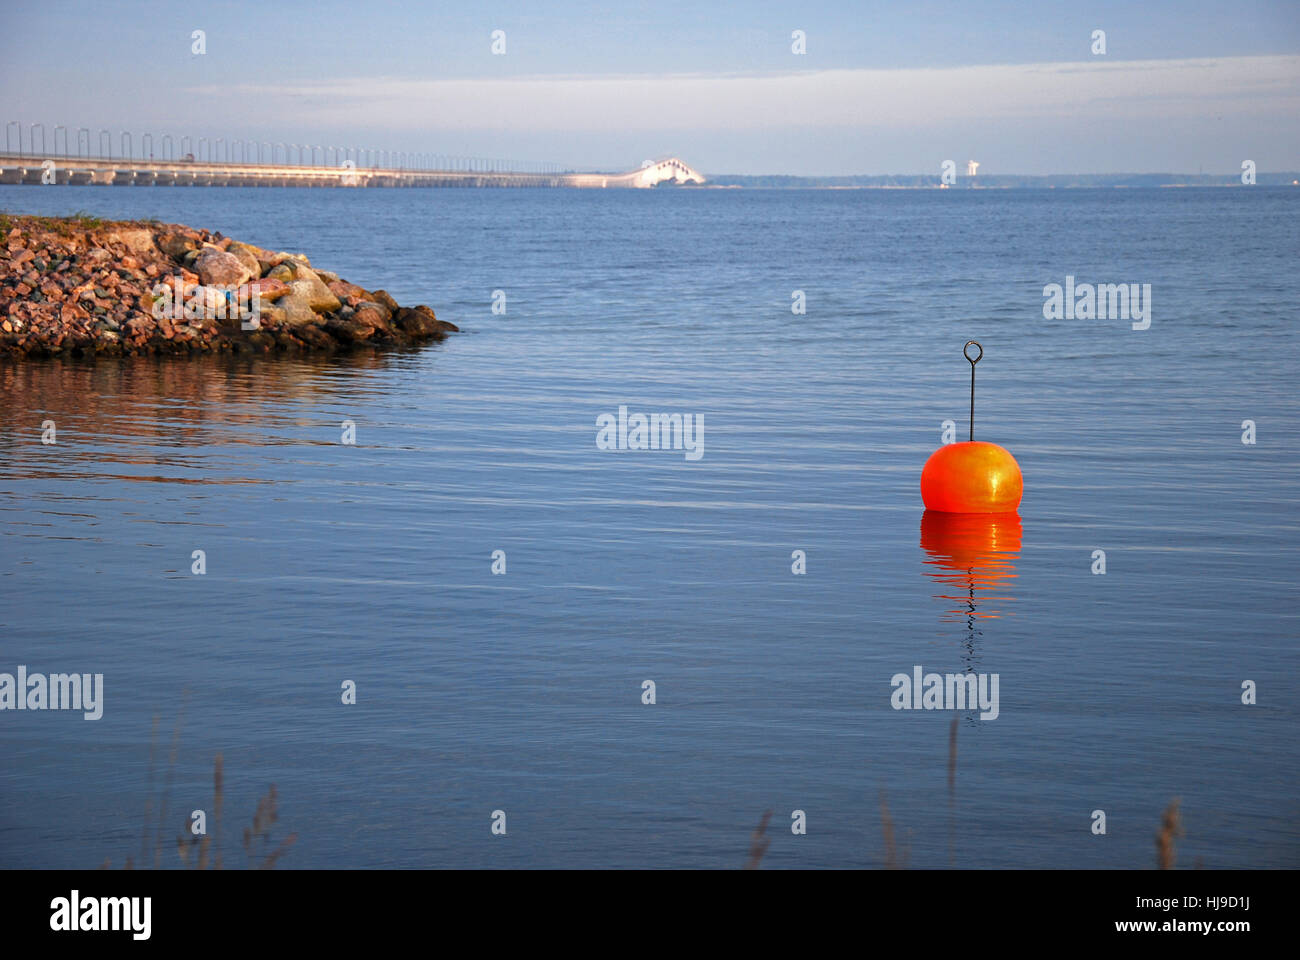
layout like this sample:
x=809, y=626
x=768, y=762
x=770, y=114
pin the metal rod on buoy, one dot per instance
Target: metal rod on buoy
x=965, y=353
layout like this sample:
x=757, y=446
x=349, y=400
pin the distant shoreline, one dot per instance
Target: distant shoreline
x=1054, y=181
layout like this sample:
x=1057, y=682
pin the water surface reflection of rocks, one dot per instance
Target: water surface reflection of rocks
x=83, y=287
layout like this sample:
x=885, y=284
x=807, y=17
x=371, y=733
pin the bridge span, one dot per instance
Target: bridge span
x=62, y=170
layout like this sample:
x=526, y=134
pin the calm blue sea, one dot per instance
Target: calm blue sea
x=522, y=692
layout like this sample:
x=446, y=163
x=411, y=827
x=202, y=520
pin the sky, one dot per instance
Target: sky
x=882, y=87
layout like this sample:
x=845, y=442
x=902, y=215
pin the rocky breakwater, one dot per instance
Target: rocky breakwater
x=82, y=287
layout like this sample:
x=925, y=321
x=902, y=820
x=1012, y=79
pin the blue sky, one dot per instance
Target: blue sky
x=883, y=88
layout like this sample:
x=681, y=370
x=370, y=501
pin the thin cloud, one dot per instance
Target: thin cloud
x=1118, y=91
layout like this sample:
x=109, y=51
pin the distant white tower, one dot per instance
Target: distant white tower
x=971, y=167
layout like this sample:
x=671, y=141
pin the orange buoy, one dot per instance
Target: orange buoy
x=972, y=477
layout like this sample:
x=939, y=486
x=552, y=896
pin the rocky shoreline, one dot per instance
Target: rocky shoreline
x=81, y=287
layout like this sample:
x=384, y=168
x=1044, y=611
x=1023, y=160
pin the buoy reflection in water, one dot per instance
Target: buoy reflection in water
x=971, y=555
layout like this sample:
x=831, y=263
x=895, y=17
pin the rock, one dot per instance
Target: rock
x=264, y=258
x=203, y=302
x=88, y=290
x=349, y=330
x=138, y=241
x=247, y=256
x=259, y=341
x=272, y=315
x=267, y=289
x=444, y=325
x=296, y=308
x=291, y=270
x=275, y=259
x=219, y=267
x=415, y=323
x=210, y=325
x=372, y=315
x=343, y=290
x=386, y=299
x=387, y=314
x=314, y=336
x=381, y=296
x=318, y=296
x=420, y=322
x=175, y=245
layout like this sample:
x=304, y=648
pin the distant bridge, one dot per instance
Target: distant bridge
x=357, y=167
x=192, y=173
x=236, y=162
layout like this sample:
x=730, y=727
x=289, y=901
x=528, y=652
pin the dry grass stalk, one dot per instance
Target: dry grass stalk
x=201, y=853
x=171, y=766
x=263, y=818
x=952, y=757
x=278, y=852
x=952, y=790
x=758, y=842
x=217, y=797
x=148, y=803
x=1171, y=828
x=887, y=828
